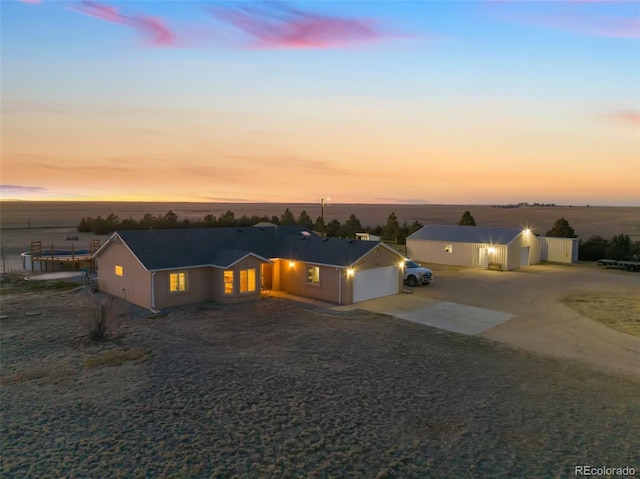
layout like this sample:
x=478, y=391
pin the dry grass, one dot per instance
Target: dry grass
x=270, y=389
x=24, y=376
x=14, y=283
x=618, y=311
x=116, y=357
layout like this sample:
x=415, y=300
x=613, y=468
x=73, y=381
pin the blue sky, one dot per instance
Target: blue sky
x=448, y=102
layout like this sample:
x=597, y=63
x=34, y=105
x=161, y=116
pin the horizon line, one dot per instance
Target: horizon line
x=514, y=204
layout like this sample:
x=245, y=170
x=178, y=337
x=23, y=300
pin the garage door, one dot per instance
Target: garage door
x=374, y=283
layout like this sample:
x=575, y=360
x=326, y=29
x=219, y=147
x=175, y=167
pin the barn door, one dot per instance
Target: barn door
x=483, y=258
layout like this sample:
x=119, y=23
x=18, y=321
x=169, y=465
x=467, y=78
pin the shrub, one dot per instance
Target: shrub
x=593, y=248
x=467, y=219
x=99, y=321
x=561, y=229
x=619, y=248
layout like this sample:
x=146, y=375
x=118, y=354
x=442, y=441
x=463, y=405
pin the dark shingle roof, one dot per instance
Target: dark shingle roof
x=175, y=248
x=467, y=234
x=332, y=251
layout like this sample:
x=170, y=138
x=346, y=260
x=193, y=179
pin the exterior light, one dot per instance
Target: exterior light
x=291, y=264
x=401, y=264
x=527, y=231
x=350, y=272
x=492, y=250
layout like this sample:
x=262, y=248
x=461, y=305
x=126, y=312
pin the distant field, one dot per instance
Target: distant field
x=587, y=221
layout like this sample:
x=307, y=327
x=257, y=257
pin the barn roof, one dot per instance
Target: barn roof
x=467, y=234
x=222, y=247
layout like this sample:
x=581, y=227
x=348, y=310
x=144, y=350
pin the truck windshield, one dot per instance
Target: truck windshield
x=412, y=264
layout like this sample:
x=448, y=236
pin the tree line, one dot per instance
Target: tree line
x=392, y=230
x=619, y=247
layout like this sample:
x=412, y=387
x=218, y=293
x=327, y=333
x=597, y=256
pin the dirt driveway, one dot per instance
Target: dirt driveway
x=534, y=316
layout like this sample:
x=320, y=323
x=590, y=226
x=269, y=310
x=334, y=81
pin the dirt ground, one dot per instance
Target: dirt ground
x=547, y=319
x=278, y=389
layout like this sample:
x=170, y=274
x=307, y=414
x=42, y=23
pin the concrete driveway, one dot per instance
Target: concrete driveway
x=524, y=309
x=456, y=317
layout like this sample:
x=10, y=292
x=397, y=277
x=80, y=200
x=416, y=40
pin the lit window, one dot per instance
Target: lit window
x=313, y=274
x=228, y=282
x=247, y=280
x=119, y=271
x=177, y=281
x=448, y=248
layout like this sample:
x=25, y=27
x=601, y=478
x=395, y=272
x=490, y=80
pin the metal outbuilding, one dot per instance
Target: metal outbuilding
x=559, y=250
x=475, y=246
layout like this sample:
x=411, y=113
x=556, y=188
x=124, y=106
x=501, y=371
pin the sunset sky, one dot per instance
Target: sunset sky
x=487, y=101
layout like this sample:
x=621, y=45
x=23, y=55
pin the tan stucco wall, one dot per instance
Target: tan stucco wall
x=217, y=284
x=335, y=285
x=378, y=257
x=206, y=284
x=198, y=288
x=293, y=280
x=135, y=283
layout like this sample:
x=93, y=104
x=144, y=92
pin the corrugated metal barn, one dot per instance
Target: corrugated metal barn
x=475, y=246
x=559, y=250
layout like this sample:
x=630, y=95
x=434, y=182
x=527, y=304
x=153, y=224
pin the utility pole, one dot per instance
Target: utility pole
x=322, y=215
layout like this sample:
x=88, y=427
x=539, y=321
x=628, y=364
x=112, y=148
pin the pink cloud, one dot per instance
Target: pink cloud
x=627, y=117
x=284, y=27
x=153, y=29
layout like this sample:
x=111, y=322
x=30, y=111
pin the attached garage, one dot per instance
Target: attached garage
x=237, y=264
x=375, y=283
x=474, y=246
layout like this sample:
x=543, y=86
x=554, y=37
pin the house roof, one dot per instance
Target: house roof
x=467, y=234
x=222, y=247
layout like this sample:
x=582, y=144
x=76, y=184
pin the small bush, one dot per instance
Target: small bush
x=99, y=321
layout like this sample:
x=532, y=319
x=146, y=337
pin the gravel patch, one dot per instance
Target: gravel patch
x=279, y=389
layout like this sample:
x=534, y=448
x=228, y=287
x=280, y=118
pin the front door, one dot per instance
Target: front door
x=266, y=275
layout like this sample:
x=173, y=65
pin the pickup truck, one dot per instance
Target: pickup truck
x=415, y=274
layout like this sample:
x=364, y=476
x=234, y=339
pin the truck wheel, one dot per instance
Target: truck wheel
x=412, y=281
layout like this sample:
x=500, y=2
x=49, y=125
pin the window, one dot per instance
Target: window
x=247, y=280
x=178, y=281
x=313, y=274
x=228, y=282
x=119, y=271
x=448, y=248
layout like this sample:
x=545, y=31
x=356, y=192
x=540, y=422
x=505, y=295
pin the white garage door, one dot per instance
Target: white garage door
x=374, y=283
